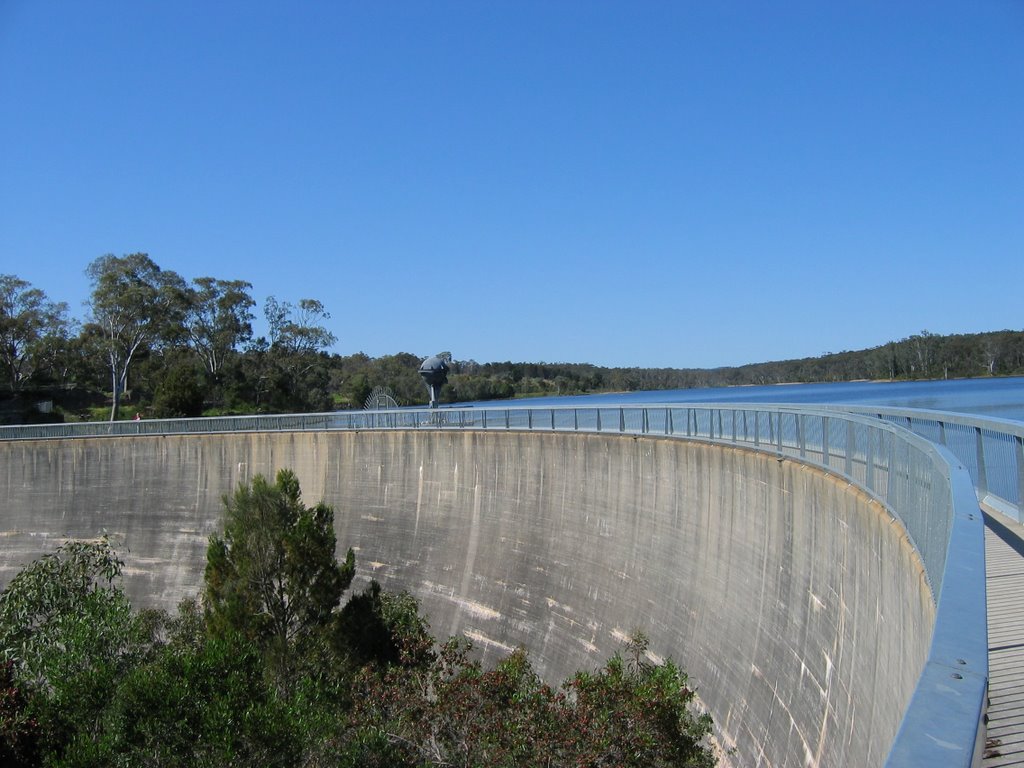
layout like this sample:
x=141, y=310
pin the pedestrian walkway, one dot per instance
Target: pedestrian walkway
x=1004, y=567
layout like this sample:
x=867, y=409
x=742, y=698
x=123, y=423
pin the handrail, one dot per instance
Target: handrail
x=991, y=449
x=922, y=481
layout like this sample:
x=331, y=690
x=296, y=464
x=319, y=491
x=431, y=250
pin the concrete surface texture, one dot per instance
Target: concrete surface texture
x=794, y=601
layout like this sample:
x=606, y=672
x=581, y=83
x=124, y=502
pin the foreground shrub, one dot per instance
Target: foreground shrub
x=272, y=670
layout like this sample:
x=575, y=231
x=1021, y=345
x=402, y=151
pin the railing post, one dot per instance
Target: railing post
x=851, y=448
x=892, y=481
x=889, y=471
x=575, y=420
x=824, y=442
x=622, y=419
x=1020, y=476
x=598, y=419
x=979, y=446
x=668, y=421
x=552, y=418
x=869, y=460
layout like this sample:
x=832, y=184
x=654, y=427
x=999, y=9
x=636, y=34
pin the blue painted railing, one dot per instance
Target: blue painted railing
x=992, y=450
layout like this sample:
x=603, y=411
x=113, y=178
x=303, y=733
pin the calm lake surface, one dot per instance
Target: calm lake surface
x=1001, y=398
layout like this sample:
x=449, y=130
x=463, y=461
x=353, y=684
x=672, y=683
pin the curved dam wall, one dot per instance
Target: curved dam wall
x=793, y=600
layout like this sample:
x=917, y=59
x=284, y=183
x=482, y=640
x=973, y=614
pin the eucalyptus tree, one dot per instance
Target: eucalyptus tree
x=30, y=326
x=298, y=330
x=299, y=340
x=135, y=305
x=218, y=320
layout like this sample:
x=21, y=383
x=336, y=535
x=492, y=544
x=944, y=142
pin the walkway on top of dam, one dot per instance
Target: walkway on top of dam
x=1004, y=577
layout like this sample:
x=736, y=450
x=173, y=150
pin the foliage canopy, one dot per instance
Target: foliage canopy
x=145, y=324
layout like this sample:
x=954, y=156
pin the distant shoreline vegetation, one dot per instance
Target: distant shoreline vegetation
x=921, y=357
x=154, y=345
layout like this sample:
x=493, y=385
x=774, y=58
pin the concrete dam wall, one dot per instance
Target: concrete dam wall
x=793, y=600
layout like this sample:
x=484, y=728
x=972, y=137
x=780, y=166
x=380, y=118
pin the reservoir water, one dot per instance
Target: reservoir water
x=1001, y=398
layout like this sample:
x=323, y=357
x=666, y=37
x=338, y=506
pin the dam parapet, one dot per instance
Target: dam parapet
x=819, y=574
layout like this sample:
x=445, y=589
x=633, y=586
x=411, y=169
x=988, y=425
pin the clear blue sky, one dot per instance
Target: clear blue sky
x=684, y=184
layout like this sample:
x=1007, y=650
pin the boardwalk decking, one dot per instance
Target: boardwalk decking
x=1004, y=558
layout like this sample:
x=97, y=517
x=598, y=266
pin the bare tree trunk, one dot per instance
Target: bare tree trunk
x=116, y=394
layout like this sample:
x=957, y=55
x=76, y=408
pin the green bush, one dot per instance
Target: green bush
x=272, y=670
x=180, y=393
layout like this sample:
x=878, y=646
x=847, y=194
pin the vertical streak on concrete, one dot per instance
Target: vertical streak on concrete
x=465, y=588
x=200, y=481
x=419, y=500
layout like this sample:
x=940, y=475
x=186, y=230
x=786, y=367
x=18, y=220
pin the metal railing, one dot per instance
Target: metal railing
x=928, y=469
x=992, y=450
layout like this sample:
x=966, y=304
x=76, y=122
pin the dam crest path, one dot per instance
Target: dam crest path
x=1004, y=577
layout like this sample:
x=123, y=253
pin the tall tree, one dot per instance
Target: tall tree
x=136, y=305
x=298, y=331
x=28, y=323
x=298, y=341
x=273, y=576
x=219, y=319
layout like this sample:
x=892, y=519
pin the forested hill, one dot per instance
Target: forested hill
x=921, y=356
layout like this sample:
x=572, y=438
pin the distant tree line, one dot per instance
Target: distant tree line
x=156, y=343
